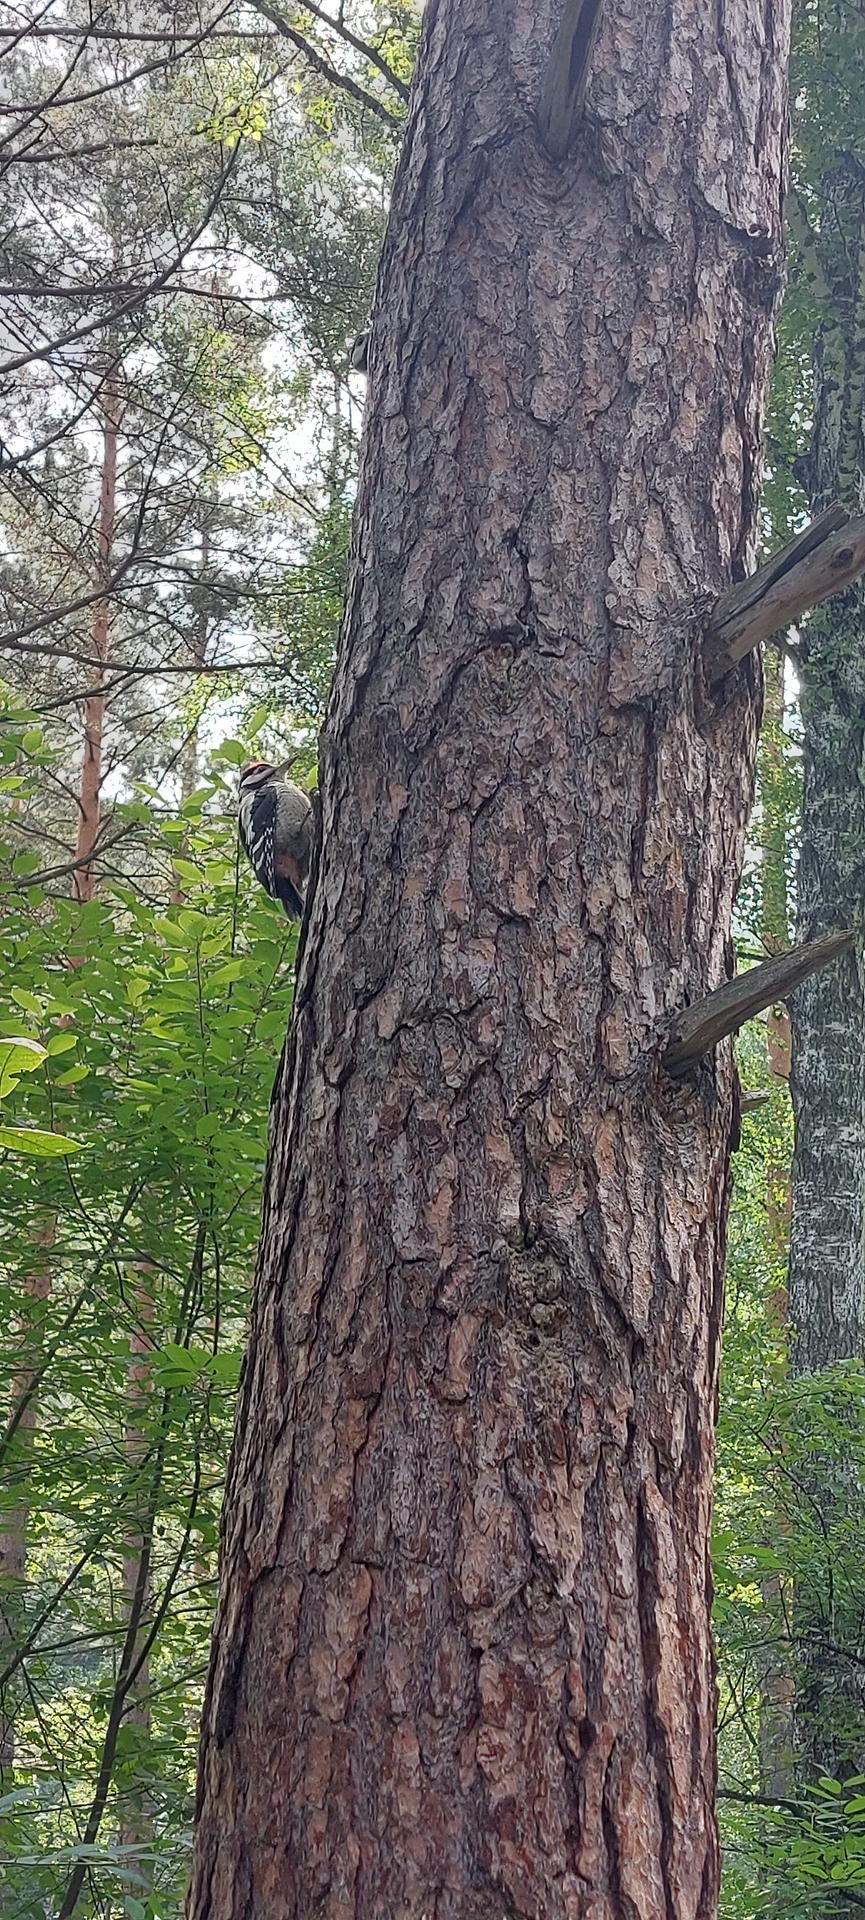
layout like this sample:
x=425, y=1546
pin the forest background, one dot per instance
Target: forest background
x=192, y=202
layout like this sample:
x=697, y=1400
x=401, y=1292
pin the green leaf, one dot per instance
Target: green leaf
x=61, y=1043
x=29, y=1001
x=17, y=1056
x=175, y=1366
x=223, y=976
x=175, y=934
x=225, y=1368
x=32, y=1140
x=234, y=751
x=72, y=1076
x=32, y=740
x=196, y=801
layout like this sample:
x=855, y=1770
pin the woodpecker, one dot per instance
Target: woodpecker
x=275, y=826
x=359, y=355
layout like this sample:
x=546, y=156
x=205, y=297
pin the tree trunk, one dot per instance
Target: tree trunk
x=462, y=1662
x=777, y=1684
x=36, y=1287
x=137, y=1813
x=827, y=1248
x=827, y=1269
x=90, y=788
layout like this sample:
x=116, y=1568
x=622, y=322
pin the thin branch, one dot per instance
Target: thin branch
x=362, y=47
x=136, y=299
x=69, y=866
x=323, y=67
x=699, y=1028
x=796, y=1807
x=37, y=156
x=827, y=557
x=168, y=37
x=178, y=52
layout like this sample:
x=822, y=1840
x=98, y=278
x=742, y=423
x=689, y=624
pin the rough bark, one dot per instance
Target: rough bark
x=462, y=1662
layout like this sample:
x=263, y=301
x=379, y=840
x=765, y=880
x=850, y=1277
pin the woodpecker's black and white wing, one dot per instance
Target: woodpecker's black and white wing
x=292, y=846
x=274, y=819
x=256, y=822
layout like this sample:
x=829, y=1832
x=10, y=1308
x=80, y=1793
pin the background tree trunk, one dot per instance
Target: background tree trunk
x=827, y=1247
x=90, y=790
x=462, y=1663
x=777, y=1682
x=36, y=1286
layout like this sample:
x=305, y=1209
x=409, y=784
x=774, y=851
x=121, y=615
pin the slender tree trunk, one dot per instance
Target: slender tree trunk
x=90, y=789
x=13, y=1535
x=188, y=765
x=777, y=1684
x=827, y=1251
x=827, y=1271
x=462, y=1662
x=136, y=1826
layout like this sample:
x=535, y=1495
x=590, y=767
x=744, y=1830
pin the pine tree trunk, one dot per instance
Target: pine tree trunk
x=462, y=1662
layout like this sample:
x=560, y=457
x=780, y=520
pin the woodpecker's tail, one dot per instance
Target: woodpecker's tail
x=290, y=899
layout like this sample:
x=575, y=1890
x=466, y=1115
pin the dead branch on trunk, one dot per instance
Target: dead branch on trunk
x=752, y=1098
x=824, y=559
x=699, y=1028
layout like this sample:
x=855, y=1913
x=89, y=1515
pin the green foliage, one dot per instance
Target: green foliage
x=174, y=1017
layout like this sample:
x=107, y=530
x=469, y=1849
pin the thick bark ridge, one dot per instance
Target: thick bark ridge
x=462, y=1664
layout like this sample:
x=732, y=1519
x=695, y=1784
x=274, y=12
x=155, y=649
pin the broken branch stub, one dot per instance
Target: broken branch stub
x=824, y=559
x=699, y=1028
x=567, y=72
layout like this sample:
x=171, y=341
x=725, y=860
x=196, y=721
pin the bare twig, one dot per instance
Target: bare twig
x=70, y=866
x=136, y=299
x=316, y=60
x=363, y=47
